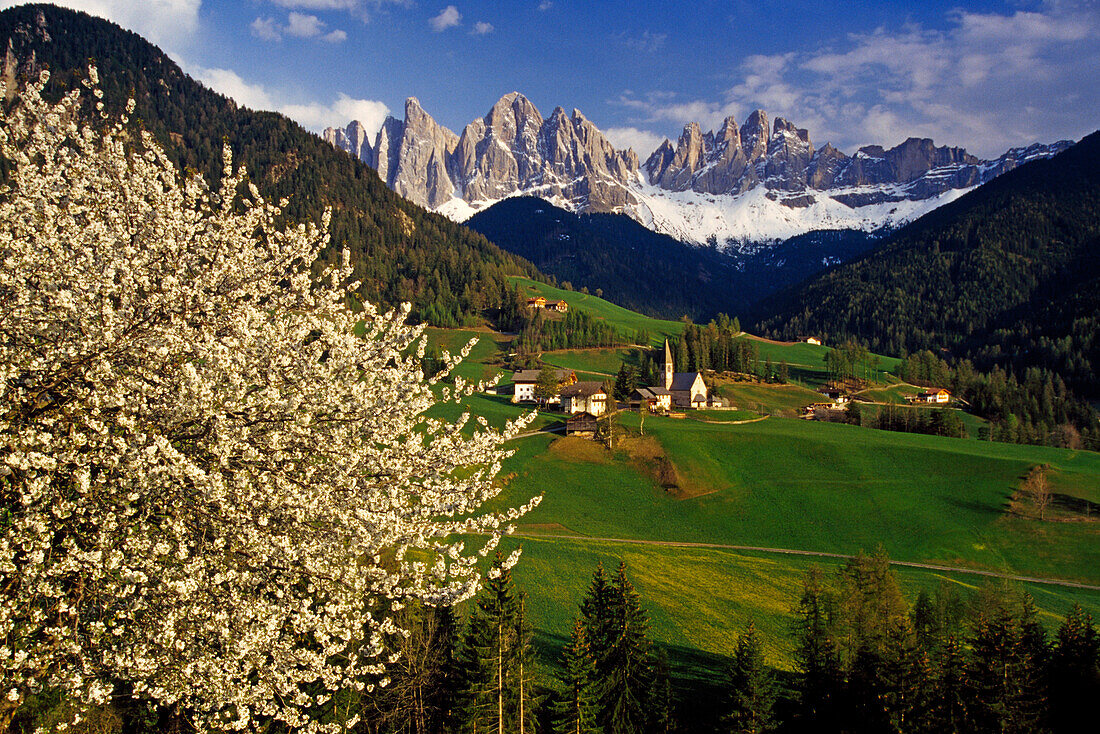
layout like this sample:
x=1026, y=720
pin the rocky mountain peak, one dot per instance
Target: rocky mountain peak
x=754, y=135
x=568, y=160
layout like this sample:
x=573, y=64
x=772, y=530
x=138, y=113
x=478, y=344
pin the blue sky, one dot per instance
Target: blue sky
x=983, y=75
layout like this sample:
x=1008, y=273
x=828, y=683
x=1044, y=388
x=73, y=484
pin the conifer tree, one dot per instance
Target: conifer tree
x=663, y=699
x=817, y=657
x=1005, y=684
x=596, y=613
x=625, y=381
x=577, y=710
x=752, y=690
x=497, y=661
x=1074, y=672
x=947, y=706
x=629, y=671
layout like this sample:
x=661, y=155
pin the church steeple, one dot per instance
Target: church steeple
x=668, y=366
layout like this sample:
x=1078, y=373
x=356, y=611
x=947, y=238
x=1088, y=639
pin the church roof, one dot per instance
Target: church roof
x=683, y=380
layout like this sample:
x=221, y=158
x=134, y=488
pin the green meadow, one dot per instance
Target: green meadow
x=776, y=483
x=700, y=599
x=628, y=323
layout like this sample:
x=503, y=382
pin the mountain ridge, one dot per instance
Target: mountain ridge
x=761, y=181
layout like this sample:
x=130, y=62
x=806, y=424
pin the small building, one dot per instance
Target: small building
x=584, y=397
x=812, y=340
x=536, y=302
x=524, y=382
x=654, y=399
x=559, y=306
x=581, y=424
x=837, y=396
x=934, y=396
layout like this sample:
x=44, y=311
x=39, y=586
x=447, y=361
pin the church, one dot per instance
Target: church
x=687, y=388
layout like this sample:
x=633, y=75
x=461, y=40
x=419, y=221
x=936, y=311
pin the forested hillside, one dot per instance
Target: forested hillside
x=651, y=272
x=1008, y=275
x=402, y=253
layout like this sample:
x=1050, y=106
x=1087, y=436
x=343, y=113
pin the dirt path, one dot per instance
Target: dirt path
x=730, y=423
x=817, y=554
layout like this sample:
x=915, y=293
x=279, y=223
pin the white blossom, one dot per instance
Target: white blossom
x=212, y=488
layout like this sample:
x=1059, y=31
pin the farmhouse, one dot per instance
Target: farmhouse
x=810, y=340
x=584, y=397
x=536, y=302
x=933, y=396
x=559, y=306
x=654, y=399
x=837, y=396
x=524, y=382
x=687, y=388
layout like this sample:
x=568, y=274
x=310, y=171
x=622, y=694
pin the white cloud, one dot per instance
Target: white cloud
x=988, y=82
x=449, y=17
x=545, y=5
x=303, y=26
x=164, y=22
x=298, y=25
x=311, y=114
x=266, y=29
x=663, y=107
x=481, y=28
x=229, y=83
x=643, y=142
x=318, y=4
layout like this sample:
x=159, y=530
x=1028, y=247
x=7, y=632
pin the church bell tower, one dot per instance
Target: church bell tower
x=668, y=366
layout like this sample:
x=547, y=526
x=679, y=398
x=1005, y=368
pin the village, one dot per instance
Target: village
x=586, y=402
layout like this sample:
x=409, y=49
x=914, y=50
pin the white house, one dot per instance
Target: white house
x=525, y=380
x=934, y=396
x=584, y=397
x=656, y=399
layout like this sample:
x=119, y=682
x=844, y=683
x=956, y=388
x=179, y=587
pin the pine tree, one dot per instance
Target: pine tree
x=577, y=710
x=752, y=690
x=1005, y=682
x=662, y=699
x=617, y=626
x=947, y=707
x=625, y=381
x=497, y=661
x=817, y=657
x=1074, y=672
x=596, y=613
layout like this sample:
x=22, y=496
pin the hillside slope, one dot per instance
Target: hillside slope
x=402, y=252
x=651, y=272
x=1008, y=275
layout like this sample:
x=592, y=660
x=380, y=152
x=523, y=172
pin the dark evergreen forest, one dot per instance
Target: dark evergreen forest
x=650, y=272
x=1004, y=282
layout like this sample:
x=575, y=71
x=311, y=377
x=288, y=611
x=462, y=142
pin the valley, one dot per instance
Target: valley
x=814, y=491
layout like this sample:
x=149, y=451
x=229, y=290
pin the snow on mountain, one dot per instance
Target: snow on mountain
x=759, y=216
x=732, y=188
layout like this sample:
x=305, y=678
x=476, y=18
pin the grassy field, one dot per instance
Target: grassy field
x=822, y=487
x=895, y=393
x=700, y=599
x=593, y=361
x=626, y=322
x=776, y=483
x=764, y=398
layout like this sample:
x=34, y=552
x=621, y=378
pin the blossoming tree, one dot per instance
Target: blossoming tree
x=213, y=488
